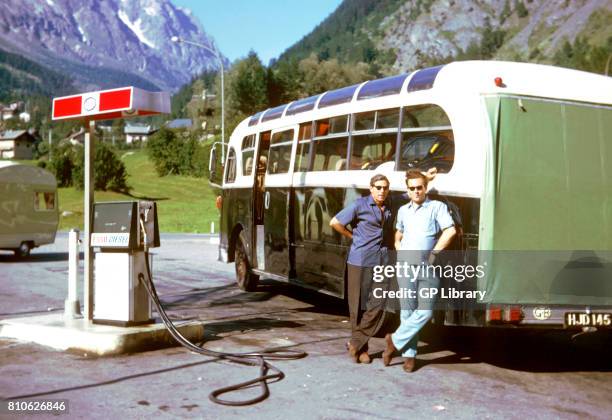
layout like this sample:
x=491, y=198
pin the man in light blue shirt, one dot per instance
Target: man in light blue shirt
x=424, y=227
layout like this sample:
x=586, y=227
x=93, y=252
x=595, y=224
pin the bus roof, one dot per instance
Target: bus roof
x=462, y=78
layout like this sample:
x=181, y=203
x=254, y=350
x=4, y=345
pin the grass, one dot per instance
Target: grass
x=184, y=204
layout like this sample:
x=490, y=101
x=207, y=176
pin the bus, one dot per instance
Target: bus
x=523, y=151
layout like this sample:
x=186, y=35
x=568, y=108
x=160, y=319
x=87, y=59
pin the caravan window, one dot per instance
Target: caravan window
x=44, y=201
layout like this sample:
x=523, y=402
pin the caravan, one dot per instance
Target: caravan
x=28, y=207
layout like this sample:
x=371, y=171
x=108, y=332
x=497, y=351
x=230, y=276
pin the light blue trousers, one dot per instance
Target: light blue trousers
x=414, y=314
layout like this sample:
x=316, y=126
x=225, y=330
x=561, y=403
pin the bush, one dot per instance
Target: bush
x=62, y=166
x=164, y=149
x=109, y=170
x=178, y=152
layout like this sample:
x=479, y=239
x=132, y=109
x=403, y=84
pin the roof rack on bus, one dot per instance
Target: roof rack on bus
x=255, y=118
x=338, y=96
x=424, y=79
x=420, y=80
x=302, y=105
x=382, y=87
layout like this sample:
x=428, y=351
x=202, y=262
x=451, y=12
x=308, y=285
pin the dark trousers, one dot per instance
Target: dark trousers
x=367, y=314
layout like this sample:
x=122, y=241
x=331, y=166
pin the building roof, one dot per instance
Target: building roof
x=180, y=123
x=138, y=129
x=11, y=134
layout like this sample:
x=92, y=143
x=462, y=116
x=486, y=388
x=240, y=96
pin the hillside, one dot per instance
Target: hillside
x=185, y=204
x=20, y=76
x=398, y=36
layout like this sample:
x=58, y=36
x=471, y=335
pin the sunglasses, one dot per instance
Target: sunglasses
x=381, y=187
x=418, y=188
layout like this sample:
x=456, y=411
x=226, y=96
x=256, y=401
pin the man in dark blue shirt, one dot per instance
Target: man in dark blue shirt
x=372, y=235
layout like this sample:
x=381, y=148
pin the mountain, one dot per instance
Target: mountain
x=397, y=35
x=110, y=43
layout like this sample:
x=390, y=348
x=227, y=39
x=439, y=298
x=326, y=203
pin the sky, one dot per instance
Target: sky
x=268, y=27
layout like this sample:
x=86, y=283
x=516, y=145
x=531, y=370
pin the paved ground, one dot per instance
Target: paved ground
x=465, y=373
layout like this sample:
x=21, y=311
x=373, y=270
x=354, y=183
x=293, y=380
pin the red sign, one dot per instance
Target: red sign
x=110, y=104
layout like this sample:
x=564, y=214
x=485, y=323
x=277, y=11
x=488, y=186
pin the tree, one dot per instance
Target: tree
x=109, y=170
x=247, y=86
x=521, y=10
x=320, y=76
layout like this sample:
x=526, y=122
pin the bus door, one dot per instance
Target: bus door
x=258, y=197
x=276, y=206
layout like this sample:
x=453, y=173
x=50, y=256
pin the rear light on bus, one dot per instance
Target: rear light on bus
x=219, y=202
x=499, y=82
x=504, y=314
x=494, y=314
x=513, y=314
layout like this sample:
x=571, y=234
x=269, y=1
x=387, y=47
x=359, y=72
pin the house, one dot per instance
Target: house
x=8, y=112
x=138, y=133
x=76, y=138
x=16, y=144
x=180, y=123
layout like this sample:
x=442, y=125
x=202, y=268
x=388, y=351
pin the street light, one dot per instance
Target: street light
x=218, y=57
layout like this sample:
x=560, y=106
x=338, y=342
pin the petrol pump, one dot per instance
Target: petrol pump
x=118, y=283
x=122, y=234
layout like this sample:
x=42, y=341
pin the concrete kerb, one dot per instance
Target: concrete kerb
x=78, y=335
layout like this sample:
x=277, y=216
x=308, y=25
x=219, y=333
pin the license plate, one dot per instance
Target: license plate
x=582, y=319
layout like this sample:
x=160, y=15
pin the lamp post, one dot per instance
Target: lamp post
x=218, y=57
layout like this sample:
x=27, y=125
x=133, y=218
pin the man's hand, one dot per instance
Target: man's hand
x=433, y=256
x=339, y=227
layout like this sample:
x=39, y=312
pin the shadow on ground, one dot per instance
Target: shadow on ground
x=522, y=350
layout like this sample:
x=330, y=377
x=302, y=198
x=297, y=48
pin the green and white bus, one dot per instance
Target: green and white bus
x=523, y=150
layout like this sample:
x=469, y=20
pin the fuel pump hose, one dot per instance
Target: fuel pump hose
x=268, y=372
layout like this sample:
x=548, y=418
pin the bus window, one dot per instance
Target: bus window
x=330, y=154
x=387, y=118
x=304, y=138
x=424, y=150
x=230, y=173
x=335, y=125
x=365, y=121
x=424, y=116
x=248, y=155
x=279, y=156
x=427, y=139
x=371, y=150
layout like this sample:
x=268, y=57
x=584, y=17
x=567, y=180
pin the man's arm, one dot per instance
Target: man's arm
x=445, y=239
x=339, y=227
x=398, y=239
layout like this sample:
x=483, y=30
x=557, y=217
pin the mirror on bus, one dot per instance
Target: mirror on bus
x=212, y=162
x=215, y=162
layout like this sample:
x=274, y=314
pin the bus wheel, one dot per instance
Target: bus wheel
x=23, y=250
x=244, y=276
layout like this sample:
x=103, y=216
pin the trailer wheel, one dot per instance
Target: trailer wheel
x=23, y=250
x=245, y=278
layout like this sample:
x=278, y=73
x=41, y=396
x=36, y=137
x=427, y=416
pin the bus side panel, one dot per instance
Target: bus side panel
x=551, y=204
x=320, y=253
x=277, y=231
x=237, y=213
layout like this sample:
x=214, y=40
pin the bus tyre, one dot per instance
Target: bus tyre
x=23, y=250
x=245, y=278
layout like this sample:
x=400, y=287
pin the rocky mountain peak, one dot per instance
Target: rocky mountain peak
x=110, y=42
